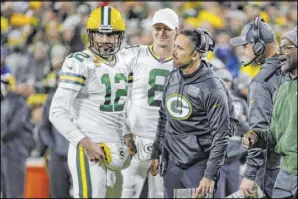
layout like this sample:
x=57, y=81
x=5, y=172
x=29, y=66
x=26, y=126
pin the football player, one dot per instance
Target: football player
x=150, y=65
x=88, y=108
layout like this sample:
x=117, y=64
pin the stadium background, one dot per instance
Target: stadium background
x=37, y=36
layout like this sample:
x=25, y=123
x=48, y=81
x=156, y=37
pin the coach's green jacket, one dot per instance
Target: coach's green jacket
x=282, y=133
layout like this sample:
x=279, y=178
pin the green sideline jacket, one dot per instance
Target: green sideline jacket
x=283, y=128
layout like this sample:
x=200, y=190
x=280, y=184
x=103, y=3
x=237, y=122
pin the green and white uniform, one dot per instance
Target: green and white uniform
x=90, y=102
x=149, y=72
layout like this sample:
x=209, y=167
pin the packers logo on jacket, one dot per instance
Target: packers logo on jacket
x=178, y=106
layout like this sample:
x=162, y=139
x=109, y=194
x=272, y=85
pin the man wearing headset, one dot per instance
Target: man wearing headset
x=195, y=119
x=259, y=43
x=282, y=133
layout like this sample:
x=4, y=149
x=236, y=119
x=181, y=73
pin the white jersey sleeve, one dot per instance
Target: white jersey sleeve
x=73, y=73
x=73, y=77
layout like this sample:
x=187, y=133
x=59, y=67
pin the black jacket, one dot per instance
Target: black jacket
x=196, y=120
x=262, y=90
x=16, y=127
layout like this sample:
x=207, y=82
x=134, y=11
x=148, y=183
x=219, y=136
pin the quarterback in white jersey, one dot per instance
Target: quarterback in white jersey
x=88, y=108
x=150, y=67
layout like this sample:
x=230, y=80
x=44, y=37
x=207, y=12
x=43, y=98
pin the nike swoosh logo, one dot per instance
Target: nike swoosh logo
x=252, y=101
x=216, y=105
x=70, y=67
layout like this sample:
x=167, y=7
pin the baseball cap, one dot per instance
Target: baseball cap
x=266, y=34
x=166, y=16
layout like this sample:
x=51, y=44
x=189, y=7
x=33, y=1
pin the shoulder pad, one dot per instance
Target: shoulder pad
x=75, y=66
x=131, y=46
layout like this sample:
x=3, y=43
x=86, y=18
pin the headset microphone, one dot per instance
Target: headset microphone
x=246, y=64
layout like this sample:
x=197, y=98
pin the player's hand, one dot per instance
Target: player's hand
x=247, y=187
x=206, y=186
x=153, y=168
x=130, y=143
x=249, y=139
x=92, y=150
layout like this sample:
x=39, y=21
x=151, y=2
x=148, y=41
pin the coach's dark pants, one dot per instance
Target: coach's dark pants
x=177, y=178
x=229, y=179
x=13, y=173
x=271, y=173
x=60, y=178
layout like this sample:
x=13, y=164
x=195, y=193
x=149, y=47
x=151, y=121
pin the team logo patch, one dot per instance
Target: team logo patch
x=178, y=106
x=121, y=153
x=147, y=148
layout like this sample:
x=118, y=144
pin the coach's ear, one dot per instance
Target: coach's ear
x=196, y=55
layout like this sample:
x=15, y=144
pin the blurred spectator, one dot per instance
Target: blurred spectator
x=18, y=59
x=227, y=54
x=241, y=85
x=7, y=79
x=39, y=65
x=229, y=179
x=16, y=140
x=71, y=36
x=57, y=54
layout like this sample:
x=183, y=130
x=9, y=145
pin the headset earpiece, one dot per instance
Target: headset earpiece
x=207, y=42
x=259, y=45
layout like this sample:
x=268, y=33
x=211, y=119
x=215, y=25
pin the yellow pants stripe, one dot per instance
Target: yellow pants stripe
x=85, y=188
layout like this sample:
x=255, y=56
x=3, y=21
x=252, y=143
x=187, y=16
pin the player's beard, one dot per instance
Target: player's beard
x=104, y=49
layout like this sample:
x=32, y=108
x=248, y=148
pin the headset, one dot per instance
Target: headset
x=259, y=45
x=206, y=42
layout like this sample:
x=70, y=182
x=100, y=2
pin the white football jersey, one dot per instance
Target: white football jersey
x=149, y=72
x=102, y=88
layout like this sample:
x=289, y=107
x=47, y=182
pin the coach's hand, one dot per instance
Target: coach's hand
x=206, y=186
x=153, y=168
x=130, y=143
x=248, y=187
x=92, y=150
x=249, y=139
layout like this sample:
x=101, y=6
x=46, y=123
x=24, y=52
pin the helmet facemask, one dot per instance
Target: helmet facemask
x=110, y=43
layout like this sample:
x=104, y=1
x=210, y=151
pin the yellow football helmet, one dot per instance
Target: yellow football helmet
x=105, y=20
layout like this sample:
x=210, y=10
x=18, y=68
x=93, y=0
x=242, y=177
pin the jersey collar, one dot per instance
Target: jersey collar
x=97, y=59
x=158, y=58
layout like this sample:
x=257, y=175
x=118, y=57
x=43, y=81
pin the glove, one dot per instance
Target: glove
x=130, y=143
x=249, y=139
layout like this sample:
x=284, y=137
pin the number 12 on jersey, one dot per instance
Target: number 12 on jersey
x=112, y=106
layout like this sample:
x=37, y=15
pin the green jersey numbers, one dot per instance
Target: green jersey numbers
x=79, y=56
x=115, y=105
x=156, y=82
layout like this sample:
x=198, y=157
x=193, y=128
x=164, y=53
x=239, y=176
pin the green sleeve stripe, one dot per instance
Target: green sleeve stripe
x=73, y=75
x=72, y=82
